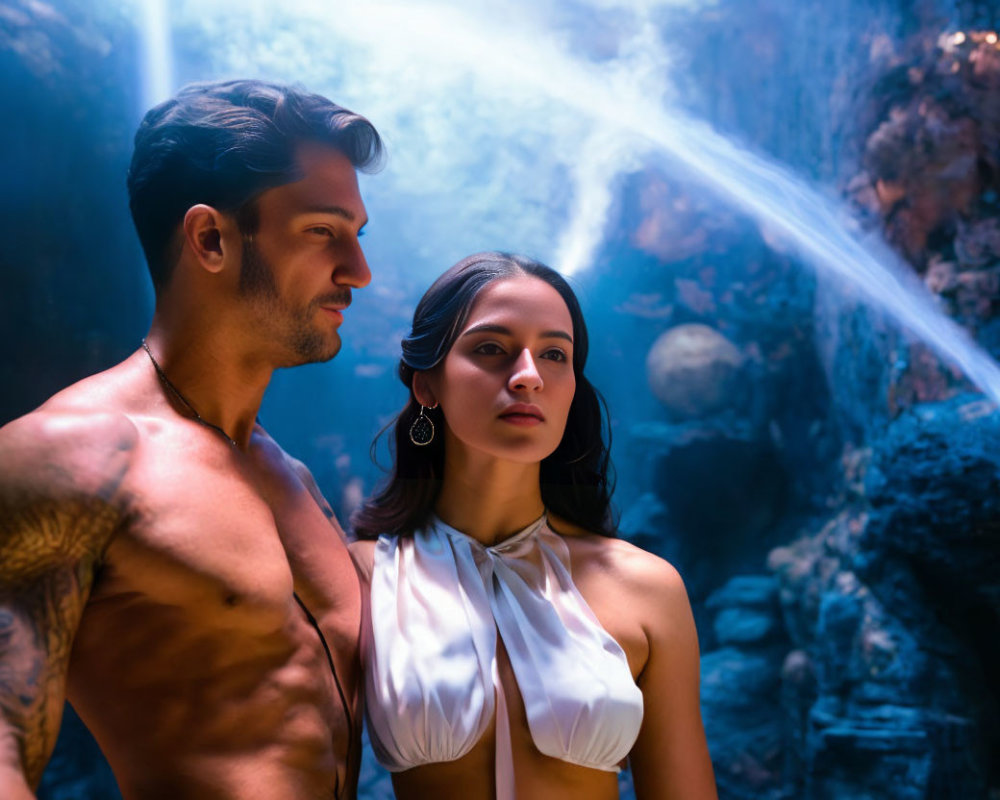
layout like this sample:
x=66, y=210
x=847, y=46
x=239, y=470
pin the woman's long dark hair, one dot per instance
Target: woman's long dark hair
x=576, y=480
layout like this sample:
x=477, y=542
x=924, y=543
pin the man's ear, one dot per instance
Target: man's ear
x=423, y=390
x=203, y=234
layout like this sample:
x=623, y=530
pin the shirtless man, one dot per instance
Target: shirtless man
x=163, y=564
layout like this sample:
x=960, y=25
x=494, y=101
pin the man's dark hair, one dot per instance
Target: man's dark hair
x=223, y=144
x=576, y=479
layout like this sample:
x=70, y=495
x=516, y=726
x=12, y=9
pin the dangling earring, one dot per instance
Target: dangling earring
x=422, y=429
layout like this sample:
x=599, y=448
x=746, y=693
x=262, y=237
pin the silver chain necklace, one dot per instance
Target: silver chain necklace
x=177, y=393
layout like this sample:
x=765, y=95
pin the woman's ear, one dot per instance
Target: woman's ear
x=423, y=390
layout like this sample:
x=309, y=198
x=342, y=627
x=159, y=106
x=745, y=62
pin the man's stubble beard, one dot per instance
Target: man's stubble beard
x=291, y=327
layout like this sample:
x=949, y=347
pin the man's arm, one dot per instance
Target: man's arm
x=58, y=477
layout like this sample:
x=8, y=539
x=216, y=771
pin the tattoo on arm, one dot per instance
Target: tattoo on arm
x=48, y=557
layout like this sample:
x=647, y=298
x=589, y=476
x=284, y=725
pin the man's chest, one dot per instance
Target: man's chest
x=225, y=539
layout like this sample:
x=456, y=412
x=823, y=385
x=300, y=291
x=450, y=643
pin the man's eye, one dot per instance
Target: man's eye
x=321, y=231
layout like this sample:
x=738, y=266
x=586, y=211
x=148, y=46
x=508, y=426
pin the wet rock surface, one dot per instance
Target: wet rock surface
x=894, y=601
x=877, y=676
x=931, y=184
x=742, y=687
x=864, y=664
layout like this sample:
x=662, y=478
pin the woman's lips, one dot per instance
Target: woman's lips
x=523, y=414
x=521, y=419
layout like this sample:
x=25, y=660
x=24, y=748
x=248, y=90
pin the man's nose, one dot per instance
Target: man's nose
x=525, y=377
x=353, y=268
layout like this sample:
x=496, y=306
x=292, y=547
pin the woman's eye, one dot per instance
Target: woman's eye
x=489, y=349
x=555, y=355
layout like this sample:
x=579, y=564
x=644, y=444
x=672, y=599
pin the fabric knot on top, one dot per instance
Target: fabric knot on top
x=438, y=599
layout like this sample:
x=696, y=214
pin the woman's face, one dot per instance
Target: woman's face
x=506, y=385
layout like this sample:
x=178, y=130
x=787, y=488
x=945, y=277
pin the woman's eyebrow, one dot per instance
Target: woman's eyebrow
x=487, y=327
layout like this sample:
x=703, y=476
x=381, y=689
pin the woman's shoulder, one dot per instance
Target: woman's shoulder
x=636, y=571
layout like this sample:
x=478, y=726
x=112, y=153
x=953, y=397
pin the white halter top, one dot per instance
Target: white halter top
x=438, y=598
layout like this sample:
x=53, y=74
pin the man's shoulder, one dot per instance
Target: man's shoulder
x=273, y=459
x=66, y=447
x=289, y=473
x=61, y=478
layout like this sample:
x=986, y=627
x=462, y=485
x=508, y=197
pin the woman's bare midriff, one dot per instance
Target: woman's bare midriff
x=472, y=777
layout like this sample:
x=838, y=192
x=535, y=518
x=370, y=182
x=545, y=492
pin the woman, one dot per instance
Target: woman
x=515, y=648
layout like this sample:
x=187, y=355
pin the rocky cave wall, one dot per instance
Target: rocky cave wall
x=856, y=657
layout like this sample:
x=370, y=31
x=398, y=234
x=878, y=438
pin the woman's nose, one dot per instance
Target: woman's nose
x=525, y=376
